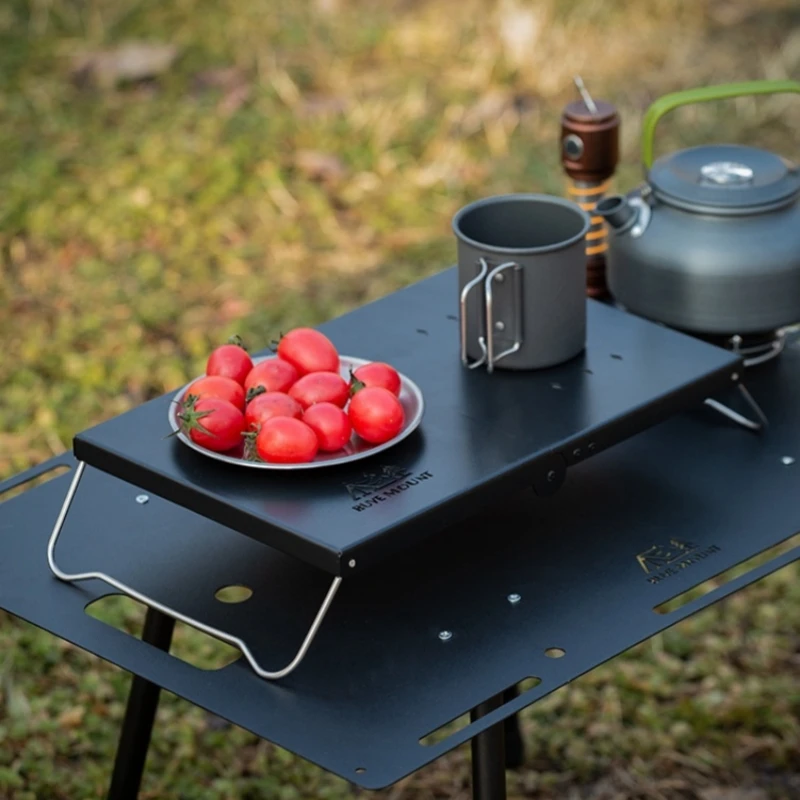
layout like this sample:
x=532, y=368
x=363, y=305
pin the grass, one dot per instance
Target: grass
x=298, y=159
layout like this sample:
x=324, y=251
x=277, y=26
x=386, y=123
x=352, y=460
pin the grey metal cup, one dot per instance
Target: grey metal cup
x=522, y=281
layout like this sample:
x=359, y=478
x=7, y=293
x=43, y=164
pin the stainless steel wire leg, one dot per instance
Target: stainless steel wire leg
x=140, y=714
x=151, y=603
x=738, y=418
x=488, y=755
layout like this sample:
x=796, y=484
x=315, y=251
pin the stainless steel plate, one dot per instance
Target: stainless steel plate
x=410, y=399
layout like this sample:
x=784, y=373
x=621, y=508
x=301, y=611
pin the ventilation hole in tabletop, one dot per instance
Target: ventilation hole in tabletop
x=453, y=317
x=555, y=652
x=616, y=356
x=235, y=593
x=695, y=554
x=460, y=722
x=422, y=331
x=360, y=770
x=589, y=372
x=188, y=644
x=32, y=483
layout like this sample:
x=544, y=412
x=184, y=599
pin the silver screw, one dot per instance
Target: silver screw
x=514, y=598
x=351, y=563
x=556, y=386
x=787, y=461
x=445, y=636
x=735, y=376
x=499, y=325
x=141, y=499
x=551, y=476
x=500, y=277
x=577, y=452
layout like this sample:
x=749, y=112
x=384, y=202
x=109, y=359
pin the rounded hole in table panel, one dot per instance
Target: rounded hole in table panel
x=589, y=372
x=37, y=480
x=235, y=593
x=188, y=644
x=460, y=722
x=555, y=652
x=616, y=356
x=360, y=770
x=743, y=567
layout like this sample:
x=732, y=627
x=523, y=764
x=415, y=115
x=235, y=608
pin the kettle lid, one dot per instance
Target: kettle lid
x=724, y=178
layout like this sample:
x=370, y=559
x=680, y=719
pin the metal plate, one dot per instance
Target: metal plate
x=483, y=435
x=410, y=398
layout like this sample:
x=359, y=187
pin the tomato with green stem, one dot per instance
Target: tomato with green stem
x=217, y=386
x=274, y=374
x=212, y=423
x=376, y=373
x=308, y=350
x=230, y=361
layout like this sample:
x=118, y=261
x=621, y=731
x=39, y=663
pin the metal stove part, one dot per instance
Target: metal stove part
x=758, y=352
x=589, y=153
x=756, y=349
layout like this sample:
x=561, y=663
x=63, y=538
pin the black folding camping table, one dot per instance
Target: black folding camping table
x=534, y=526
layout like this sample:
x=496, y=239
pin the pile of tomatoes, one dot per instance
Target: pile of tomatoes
x=287, y=409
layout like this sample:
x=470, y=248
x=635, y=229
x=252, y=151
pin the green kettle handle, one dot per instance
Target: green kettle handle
x=724, y=91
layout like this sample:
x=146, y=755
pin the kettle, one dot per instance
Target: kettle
x=710, y=243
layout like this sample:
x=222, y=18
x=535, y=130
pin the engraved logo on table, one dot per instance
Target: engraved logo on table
x=373, y=488
x=661, y=561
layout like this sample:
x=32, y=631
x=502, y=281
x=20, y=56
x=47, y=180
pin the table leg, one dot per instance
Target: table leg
x=488, y=755
x=140, y=714
x=515, y=746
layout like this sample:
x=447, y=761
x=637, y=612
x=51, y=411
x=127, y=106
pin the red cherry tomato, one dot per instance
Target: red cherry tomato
x=308, y=350
x=331, y=425
x=269, y=405
x=213, y=423
x=284, y=440
x=230, y=361
x=217, y=386
x=321, y=387
x=275, y=375
x=376, y=414
x=379, y=374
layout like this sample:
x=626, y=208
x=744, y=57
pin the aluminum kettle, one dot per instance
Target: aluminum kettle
x=710, y=243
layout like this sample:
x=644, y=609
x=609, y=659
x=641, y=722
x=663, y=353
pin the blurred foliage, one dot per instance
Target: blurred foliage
x=297, y=159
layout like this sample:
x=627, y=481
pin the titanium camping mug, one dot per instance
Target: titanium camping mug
x=522, y=281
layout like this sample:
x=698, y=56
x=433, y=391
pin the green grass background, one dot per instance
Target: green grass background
x=298, y=159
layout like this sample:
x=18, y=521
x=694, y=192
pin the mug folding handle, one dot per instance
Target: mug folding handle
x=514, y=324
x=486, y=342
x=478, y=279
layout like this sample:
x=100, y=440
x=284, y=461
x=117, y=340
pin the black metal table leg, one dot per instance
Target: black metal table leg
x=140, y=714
x=488, y=755
x=515, y=746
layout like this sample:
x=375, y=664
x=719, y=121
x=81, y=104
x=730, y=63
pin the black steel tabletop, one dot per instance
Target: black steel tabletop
x=591, y=565
x=482, y=437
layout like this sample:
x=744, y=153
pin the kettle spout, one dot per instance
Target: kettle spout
x=616, y=211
